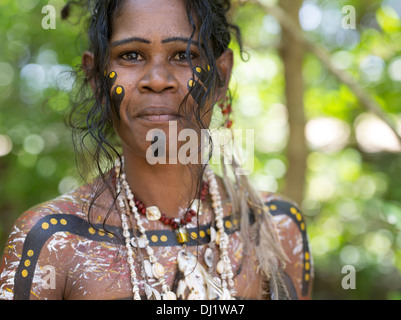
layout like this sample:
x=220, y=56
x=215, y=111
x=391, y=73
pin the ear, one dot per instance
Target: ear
x=87, y=65
x=224, y=68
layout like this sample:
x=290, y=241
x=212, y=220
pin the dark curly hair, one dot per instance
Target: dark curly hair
x=92, y=114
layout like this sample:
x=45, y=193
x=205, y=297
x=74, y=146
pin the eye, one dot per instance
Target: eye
x=131, y=56
x=183, y=56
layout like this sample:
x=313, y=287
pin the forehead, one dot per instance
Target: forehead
x=152, y=19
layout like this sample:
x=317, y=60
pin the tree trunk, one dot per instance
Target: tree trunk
x=292, y=54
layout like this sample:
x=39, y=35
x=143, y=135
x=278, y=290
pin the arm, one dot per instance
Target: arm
x=292, y=234
x=29, y=269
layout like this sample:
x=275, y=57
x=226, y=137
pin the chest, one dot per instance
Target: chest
x=101, y=271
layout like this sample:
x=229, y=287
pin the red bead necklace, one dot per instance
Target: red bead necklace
x=171, y=221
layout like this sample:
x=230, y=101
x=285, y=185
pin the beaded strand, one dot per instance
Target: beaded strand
x=189, y=214
x=223, y=266
x=126, y=234
x=157, y=269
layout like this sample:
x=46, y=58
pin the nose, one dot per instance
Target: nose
x=158, y=78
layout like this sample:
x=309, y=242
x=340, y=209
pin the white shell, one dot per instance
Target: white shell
x=222, y=240
x=195, y=204
x=217, y=280
x=148, y=268
x=158, y=270
x=221, y=267
x=156, y=294
x=169, y=296
x=140, y=241
x=223, y=237
x=212, y=234
x=133, y=242
x=153, y=213
x=209, y=257
x=217, y=238
x=148, y=291
x=151, y=293
x=226, y=295
x=197, y=284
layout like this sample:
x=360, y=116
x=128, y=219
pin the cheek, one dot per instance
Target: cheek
x=117, y=95
x=117, y=85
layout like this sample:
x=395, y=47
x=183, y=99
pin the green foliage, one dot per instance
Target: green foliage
x=352, y=202
x=35, y=80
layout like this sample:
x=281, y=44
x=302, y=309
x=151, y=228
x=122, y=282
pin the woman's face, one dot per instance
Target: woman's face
x=149, y=71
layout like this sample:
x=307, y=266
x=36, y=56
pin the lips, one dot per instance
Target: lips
x=158, y=114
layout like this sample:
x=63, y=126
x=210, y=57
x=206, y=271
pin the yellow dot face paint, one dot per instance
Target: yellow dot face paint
x=117, y=98
x=198, y=87
x=117, y=93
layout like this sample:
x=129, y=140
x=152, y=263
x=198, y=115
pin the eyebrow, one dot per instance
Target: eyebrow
x=168, y=40
x=128, y=40
x=180, y=39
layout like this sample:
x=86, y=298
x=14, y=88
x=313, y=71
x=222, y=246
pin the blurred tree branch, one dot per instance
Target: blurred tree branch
x=290, y=26
x=292, y=55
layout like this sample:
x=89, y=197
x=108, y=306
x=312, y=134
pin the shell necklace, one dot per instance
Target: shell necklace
x=153, y=213
x=223, y=289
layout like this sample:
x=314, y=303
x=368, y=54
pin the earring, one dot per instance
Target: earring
x=226, y=110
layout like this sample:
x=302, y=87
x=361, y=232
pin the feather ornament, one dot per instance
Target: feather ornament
x=270, y=254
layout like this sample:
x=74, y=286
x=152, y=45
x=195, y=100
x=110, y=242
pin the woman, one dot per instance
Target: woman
x=148, y=229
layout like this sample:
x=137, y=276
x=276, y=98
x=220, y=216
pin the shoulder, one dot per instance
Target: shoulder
x=68, y=212
x=37, y=221
x=283, y=208
x=292, y=232
x=41, y=236
x=70, y=203
x=65, y=214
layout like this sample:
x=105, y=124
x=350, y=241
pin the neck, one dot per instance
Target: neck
x=167, y=186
